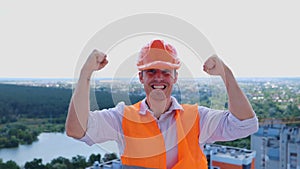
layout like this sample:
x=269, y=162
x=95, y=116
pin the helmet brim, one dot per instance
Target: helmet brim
x=159, y=65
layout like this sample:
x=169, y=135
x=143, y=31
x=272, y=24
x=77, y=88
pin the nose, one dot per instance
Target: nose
x=158, y=75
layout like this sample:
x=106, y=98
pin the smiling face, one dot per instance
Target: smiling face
x=158, y=81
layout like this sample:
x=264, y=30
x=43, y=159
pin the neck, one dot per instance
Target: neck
x=159, y=107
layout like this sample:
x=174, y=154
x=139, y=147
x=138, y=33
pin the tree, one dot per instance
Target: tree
x=8, y=165
x=93, y=158
x=79, y=162
x=35, y=164
x=109, y=157
x=11, y=165
x=60, y=163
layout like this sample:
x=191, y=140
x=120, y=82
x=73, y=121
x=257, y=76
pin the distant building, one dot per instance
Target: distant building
x=277, y=147
x=226, y=157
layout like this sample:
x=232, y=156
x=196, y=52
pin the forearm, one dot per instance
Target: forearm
x=239, y=105
x=79, y=107
x=76, y=123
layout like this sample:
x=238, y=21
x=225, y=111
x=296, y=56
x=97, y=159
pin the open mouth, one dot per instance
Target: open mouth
x=162, y=87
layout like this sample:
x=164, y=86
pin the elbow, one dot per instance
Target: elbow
x=256, y=123
x=75, y=135
x=255, y=126
x=74, y=128
x=72, y=134
x=72, y=131
x=69, y=131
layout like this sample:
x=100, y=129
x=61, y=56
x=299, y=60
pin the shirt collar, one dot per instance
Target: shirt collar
x=174, y=106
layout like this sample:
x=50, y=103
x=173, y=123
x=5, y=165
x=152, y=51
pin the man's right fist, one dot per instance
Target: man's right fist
x=96, y=61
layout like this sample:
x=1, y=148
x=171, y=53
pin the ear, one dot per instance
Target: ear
x=141, y=77
x=175, y=78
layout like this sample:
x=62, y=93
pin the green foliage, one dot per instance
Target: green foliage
x=93, y=158
x=109, y=157
x=13, y=134
x=35, y=164
x=27, y=111
x=77, y=162
x=242, y=143
x=60, y=163
x=38, y=102
x=8, y=165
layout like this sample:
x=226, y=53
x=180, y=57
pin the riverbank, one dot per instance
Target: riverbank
x=53, y=145
x=25, y=131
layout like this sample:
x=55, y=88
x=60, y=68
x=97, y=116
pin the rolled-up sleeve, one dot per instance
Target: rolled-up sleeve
x=104, y=125
x=220, y=125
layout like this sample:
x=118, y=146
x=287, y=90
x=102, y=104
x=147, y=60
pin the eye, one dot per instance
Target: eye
x=166, y=72
x=150, y=71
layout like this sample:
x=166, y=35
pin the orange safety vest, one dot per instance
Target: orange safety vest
x=144, y=142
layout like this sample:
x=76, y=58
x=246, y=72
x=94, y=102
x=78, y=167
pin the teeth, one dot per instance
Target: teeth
x=158, y=87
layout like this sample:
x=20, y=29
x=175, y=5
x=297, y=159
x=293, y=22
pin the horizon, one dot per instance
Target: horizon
x=112, y=78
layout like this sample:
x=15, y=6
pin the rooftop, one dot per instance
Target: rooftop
x=230, y=155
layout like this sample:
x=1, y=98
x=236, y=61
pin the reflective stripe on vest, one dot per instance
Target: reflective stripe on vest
x=145, y=146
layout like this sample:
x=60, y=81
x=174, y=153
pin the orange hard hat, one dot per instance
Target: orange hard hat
x=158, y=55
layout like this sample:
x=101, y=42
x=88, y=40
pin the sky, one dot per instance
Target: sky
x=47, y=39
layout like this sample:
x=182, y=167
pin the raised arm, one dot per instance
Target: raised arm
x=76, y=122
x=239, y=105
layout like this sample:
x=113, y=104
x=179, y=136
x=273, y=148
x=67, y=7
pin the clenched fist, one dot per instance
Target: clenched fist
x=214, y=66
x=96, y=61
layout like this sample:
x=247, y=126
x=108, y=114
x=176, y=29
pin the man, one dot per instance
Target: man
x=158, y=132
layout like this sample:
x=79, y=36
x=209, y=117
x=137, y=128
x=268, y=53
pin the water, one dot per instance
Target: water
x=52, y=145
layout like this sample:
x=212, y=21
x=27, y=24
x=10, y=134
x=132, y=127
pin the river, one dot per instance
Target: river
x=52, y=145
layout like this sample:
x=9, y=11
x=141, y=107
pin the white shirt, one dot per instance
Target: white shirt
x=215, y=125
